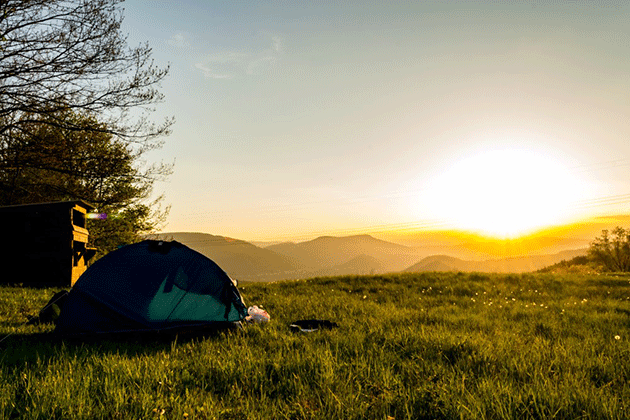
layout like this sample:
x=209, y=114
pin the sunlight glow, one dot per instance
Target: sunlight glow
x=504, y=193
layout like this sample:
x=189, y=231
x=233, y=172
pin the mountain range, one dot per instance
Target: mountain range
x=502, y=265
x=333, y=256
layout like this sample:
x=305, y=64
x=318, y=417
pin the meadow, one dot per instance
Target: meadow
x=412, y=346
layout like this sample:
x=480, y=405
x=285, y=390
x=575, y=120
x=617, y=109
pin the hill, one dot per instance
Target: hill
x=503, y=265
x=439, y=263
x=240, y=259
x=330, y=251
x=330, y=256
x=360, y=265
x=474, y=246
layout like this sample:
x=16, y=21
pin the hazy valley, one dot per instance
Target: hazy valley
x=358, y=254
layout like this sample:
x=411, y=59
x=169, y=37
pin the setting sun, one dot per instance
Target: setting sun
x=504, y=193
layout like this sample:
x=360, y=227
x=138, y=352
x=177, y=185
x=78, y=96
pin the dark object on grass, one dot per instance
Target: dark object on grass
x=311, y=325
x=151, y=287
x=51, y=311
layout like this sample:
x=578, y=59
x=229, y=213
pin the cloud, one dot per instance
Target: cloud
x=211, y=73
x=224, y=65
x=260, y=65
x=179, y=39
x=231, y=64
x=276, y=43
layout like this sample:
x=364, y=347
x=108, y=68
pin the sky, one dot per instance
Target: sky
x=296, y=119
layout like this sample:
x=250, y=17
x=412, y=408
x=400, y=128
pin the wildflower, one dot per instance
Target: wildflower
x=364, y=296
x=617, y=337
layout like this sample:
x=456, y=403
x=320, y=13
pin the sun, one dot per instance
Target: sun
x=504, y=193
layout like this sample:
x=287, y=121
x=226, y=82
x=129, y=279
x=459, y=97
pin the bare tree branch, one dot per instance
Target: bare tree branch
x=57, y=55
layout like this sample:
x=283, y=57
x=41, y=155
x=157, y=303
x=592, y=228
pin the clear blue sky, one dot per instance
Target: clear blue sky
x=299, y=118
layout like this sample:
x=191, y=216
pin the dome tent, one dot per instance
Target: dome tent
x=151, y=286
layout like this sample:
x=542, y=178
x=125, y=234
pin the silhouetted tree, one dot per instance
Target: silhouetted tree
x=74, y=105
x=612, y=249
x=46, y=162
x=57, y=55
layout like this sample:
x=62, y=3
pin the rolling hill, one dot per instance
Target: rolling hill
x=329, y=251
x=333, y=256
x=503, y=265
x=240, y=259
x=360, y=265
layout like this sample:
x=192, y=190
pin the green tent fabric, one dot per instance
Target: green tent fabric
x=150, y=286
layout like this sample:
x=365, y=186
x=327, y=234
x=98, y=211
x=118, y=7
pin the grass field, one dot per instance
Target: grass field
x=416, y=346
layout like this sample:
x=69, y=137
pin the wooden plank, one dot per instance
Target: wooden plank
x=80, y=236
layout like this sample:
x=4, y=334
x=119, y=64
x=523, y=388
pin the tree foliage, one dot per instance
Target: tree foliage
x=50, y=163
x=71, y=54
x=611, y=250
x=74, y=106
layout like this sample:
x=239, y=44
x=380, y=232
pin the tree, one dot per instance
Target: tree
x=57, y=55
x=74, y=106
x=612, y=249
x=51, y=163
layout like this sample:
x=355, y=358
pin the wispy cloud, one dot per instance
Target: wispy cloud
x=212, y=73
x=276, y=43
x=231, y=64
x=223, y=65
x=179, y=39
x=260, y=65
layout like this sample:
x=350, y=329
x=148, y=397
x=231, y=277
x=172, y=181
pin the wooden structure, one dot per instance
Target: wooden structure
x=44, y=244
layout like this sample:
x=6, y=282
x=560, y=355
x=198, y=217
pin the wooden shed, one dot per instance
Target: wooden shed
x=44, y=244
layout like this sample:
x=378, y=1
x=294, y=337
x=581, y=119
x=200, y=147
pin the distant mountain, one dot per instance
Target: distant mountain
x=474, y=246
x=504, y=265
x=329, y=251
x=439, y=263
x=361, y=265
x=240, y=259
x=333, y=256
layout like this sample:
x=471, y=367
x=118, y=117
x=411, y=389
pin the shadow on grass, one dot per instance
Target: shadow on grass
x=18, y=349
x=615, y=281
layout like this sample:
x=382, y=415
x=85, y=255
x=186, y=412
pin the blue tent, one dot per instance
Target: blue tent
x=151, y=286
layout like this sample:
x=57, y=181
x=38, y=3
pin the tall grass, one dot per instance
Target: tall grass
x=434, y=346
